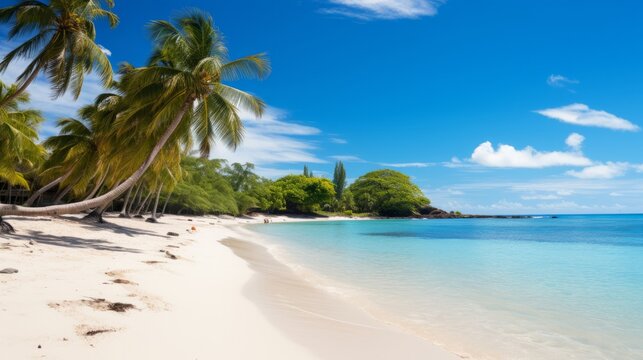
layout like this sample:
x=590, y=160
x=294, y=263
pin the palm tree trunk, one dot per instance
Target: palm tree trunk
x=124, y=211
x=97, y=187
x=45, y=188
x=62, y=194
x=22, y=87
x=140, y=208
x=156, y=205
x=136, y=195
x=166, y=201
x=110, y=195
x=10, y=188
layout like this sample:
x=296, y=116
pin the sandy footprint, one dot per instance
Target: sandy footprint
x=95, y=303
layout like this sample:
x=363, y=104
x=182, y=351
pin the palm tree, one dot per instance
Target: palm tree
x=63, y=46
x=18, y=136
x=241, y=176
x=76, y=153
x=183, y=90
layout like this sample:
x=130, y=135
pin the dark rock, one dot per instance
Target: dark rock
x=8, y=271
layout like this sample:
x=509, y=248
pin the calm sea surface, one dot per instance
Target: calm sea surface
x=543, y=288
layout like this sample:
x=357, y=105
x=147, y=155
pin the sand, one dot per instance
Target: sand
x=126, y=290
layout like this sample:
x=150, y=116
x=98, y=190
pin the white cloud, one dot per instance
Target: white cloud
x=348, y=158
x=506, y=205
x=407, y=165
x=581, y=114
x=273, y=173
x=560, y=81
x=608, y=170
x=540, y=197
x=383, y=9
x=507, y=156
x=575, y=141
x=105, y=50
x=455, y=163
x=561, y=205
x=271, y=123
x=341, y=141
x=271, y=140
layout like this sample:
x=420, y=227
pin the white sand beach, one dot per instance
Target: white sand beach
x=204, y=294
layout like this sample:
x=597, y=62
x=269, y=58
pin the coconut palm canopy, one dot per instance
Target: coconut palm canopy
x=19, y=150
x=60, y=42
x=181, y=98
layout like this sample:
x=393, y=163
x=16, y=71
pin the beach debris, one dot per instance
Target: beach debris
x=193, y=228
x=8, y=271
x=189, y=219
x=152, y=262
x=120, y=307
x=39, y=347
x=98, y=304
x=97, y=331
x=171, y=233
x=124, y=281
x=170, y=255
x=173, y=246
x=31, y=242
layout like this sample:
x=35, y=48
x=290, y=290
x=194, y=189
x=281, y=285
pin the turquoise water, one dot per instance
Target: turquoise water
x=543, y=288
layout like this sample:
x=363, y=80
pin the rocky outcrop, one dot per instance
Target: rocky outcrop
x=430, y=212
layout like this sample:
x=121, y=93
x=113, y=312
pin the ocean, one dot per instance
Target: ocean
x=541, y=288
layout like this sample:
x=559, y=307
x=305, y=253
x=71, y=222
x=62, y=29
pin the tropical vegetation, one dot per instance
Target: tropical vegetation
x=143, y=146
x=387, y=193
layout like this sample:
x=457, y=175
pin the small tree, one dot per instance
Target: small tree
x=387, y=193
x=339, y=180
x=304, y=194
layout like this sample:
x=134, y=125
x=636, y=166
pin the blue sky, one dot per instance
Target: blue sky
x=433, y=89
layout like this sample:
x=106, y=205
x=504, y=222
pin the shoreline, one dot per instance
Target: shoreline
x=190, y=296
x=320, y=320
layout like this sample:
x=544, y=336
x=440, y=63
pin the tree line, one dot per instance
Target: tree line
x=133, y=145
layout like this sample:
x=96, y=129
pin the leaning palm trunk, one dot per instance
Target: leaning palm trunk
x=62, y=194
x=156, y=205
x=167, y=200
x=45, y=188
x=108, y=196
x=142, y=206
x=97, y=187
x=137, y=195
x=124, y=211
